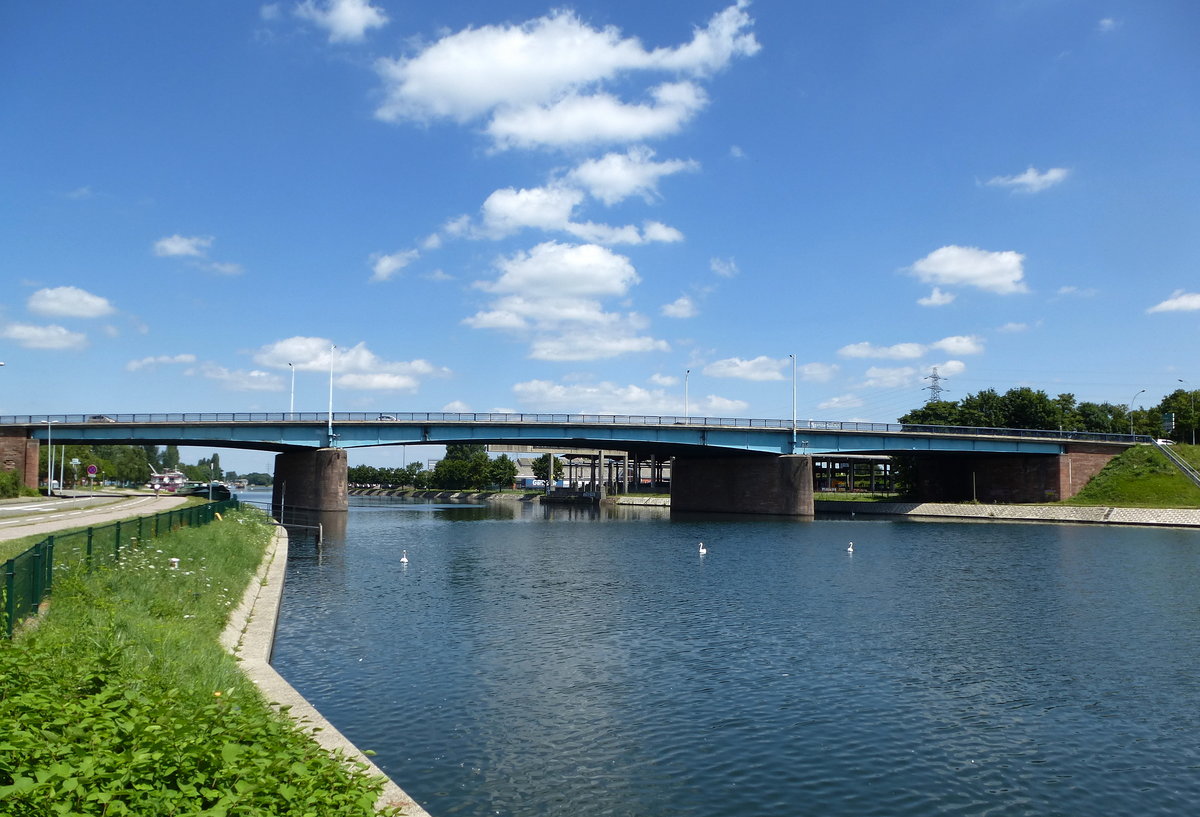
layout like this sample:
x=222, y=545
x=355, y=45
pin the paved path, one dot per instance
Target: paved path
x=46, y=516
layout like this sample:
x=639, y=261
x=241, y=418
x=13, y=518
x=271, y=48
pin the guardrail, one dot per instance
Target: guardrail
x=1179, y=462
x=408, y=418
x=29, y=576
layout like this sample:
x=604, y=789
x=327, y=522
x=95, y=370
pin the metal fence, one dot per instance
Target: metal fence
x=29, y=576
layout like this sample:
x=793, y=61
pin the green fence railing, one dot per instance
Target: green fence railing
x=29, y=576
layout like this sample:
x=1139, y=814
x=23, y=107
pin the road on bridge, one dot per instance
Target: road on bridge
x=33, y=517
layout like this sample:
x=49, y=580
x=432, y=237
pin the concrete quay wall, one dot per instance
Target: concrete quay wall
x=1166, y=517
x=250, y=637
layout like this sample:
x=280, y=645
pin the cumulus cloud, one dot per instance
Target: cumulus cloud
x=345, y=20
x=611, y=398
x=664, y=379
x=955, y=344
x=759, y=368
x=844, y=401
x=615, y=177
x=937, y=298
x=70, y=302
x=1107, y=25
x=551, y=208
x=1013, y=327
x=998, y=272
x=816, y=372
x=539, y=83
x=157, y=360
x=178, y=245
x=384, y=265
x=1179, y=301
x=1032, y=180
x=724, y=267
x=889, y=378
x=238, y=379
x=355, y=367
x=52, y=336
x=681, y=307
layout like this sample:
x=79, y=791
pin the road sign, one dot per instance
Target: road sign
x=92, y=470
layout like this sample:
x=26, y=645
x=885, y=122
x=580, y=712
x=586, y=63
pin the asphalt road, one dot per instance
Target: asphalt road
x=33, y=517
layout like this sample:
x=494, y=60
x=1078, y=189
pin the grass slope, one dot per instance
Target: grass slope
x=1142, y=477
x=122, y=702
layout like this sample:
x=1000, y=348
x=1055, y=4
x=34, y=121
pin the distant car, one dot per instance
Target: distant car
x=387, y=417
x=100, y=418
x=1165, y=442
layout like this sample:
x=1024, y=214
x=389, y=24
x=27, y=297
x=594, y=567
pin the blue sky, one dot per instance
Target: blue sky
x=541, y=207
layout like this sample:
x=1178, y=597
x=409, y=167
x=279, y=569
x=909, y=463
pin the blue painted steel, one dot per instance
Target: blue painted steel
x=676, y=435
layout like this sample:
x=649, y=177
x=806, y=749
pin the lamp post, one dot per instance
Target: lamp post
x=292, y=401
x=1129, y=409
x=1192, y=417
x=686, y=374
x=332, y=349
x=49, y=457
x=793, y=357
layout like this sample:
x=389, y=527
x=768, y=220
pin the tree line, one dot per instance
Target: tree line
x=1024, y=407
x=465, y=467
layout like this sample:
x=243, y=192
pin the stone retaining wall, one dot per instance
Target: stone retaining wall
x=1172, y=517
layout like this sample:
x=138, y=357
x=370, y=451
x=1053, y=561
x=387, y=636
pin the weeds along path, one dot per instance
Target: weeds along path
x=18, y=527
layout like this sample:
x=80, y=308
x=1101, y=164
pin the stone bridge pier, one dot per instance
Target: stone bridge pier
x=313, y=480
x=743, y=484
x=19, y=455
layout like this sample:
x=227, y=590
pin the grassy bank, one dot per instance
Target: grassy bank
x=121, y=701
x=1141, y=477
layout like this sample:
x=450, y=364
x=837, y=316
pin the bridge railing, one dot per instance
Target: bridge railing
x=517, y=418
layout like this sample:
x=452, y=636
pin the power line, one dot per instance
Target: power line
x=934, y=388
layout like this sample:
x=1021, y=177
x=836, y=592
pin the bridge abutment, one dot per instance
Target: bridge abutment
x=1007, y=477
x=20, y=454
x=759, y=485
x=310, y=481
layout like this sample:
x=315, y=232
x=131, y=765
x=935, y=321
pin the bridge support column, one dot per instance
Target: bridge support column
x=1007, y=477
x=310, y=481
x=762, y=485
x=19, y=454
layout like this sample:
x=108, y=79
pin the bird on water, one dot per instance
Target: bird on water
x=703, y=549
x=404, y=557
x=851, y=548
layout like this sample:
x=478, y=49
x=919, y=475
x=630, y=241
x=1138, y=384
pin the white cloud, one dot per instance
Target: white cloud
x=571, y=270
x=889, y=378
x=759, y=368
x=80, y=193
x=955, y=344
x=724, y=267
x=1013, y=327
x=355, y=367
x=681, y=307
x=456, y=407
x=177, y=245
x=70, y=302
x=999, y=272
x=345, y=20
x=596, y=343
x=937, y=298
x=1031, y=181
x=547, y=208
x=43, y=337
x=1179, y=301
x=224, y=267
x=663, y=379
x=239, y=379
x=156, y=360
x=617, y=176
x=384, y=266
x=845, y=401
x=816, y=372
x=539, y=83
x=612, y=398
x=949, y=368
x=598, y=119
x=1107, y=24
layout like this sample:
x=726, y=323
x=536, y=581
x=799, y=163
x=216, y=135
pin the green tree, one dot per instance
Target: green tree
x=541, y=467
x=502, y=471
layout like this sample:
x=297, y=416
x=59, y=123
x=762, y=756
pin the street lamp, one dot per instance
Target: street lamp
x=1129, y=410
x=1192, y=418
x=292, y=402
x=793, y=357
x=686, y=374
x=49, y=458
x=332, y=349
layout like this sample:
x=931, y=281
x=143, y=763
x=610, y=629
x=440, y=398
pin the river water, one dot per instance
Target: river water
x=536, y=661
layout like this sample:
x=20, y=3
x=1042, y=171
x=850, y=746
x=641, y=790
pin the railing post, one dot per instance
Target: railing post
x=49, y=565
x=88, y=553
x=10, y=604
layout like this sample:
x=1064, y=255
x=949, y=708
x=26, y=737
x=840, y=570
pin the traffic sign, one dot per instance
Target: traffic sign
x=92, y=470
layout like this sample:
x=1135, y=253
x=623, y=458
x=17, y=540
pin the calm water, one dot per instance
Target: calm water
x=527, y=662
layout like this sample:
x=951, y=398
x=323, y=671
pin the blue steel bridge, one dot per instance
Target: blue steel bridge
x=311, y=444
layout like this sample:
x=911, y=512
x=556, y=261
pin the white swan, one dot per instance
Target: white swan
x=851, y=548
x=703, y=549
x=404, y=557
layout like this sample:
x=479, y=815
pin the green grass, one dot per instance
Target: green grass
x=1141, y=477
x=121, y=701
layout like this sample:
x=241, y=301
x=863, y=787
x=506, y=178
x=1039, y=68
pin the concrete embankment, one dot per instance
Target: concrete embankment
x=1168, y=517
x=250, y=636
